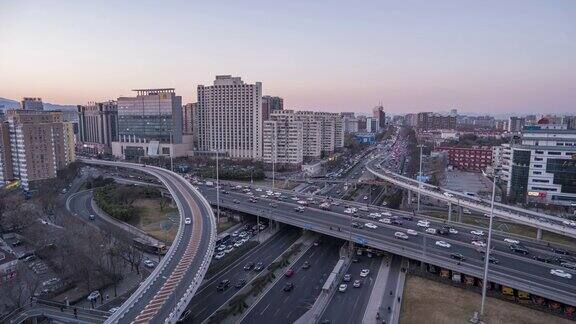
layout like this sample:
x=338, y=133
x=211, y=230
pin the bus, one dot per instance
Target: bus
x=146, y=246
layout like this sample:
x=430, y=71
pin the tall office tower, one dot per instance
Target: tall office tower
x=542, y=167
x=29, y=103
x=188, y=111
x=40, y=145
x=515, y=124
x=282, y=140
x=379, y=114
x=271, y=105
x=150, y=125
x=97, y=127
x=569, y=121
x=230, y=118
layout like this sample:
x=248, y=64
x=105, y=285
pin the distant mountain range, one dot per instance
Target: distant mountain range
x=13, y=104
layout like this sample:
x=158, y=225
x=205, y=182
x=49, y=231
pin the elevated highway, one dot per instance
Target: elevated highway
x=163, y=296
x=512, y=213
x=513, y=270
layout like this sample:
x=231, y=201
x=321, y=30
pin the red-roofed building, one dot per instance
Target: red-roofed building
x=468, y=159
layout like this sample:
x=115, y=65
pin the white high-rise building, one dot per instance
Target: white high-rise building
x=230, y=118
x=331, y=128
x=282, y=139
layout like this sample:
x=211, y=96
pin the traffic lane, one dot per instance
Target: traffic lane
x=279, y=306
x=349, y=307
x=192, y=200
x=386, y=236
x=390, y=299
x=463, y=232
x=208, y=300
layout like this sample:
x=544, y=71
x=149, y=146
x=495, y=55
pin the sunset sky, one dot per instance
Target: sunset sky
x=477, y=56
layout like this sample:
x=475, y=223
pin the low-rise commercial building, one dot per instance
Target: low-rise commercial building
x=468, y=159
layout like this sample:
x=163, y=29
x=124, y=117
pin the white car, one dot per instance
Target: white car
x=342, y=287
x=401, y=235
x=477, y=232
x=422, y=223
x=258, y=189
x=386, y=214
x=238, y=243
x=447, y=194
x=561, y=273
x=348, y=211
x=96, y=294
x=364, y=272
x=466, y=211
x=431, y=230
x=443, y=244
x=385, y=220
x=149, y=263
x=411, y=232
x=221, y=247
x=365, y=198
x=511, y=241
x=452, y=231
x=479, y=243
x=187, y=221
x=219, y=255
x=374, y=215
x=370, y=225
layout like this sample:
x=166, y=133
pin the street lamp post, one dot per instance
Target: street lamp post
x=487, y=256
x=273, y=157
x=171, y=151
x=420, y=177
x=217, y=193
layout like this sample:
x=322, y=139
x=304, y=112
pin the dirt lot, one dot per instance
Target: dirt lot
x=161, y=224
x=427, y=301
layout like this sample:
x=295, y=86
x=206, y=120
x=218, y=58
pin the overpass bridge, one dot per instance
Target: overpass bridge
x=514, y=270
x=523, y=216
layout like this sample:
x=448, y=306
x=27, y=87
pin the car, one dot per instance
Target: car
x=423, y=223
x=347, y=277
x=93, y=296
x=299, y=209
x=561, y=273
x=431, y=230
x=240, y=283
x=259, y=266
x=357, y=283
x=113, y=310
x=569, y=265
x=220, y=255
x=316, y=243
x=479, y=243
x=370, y=225
x=273, y=205
x=236, y=201
x=365, y=198
x=401, y=235
x=453, y=231
x=222, y=285
x=229, y=249
x=491, y=259
x=92, y=217
x=559, y=251
x=511, y=241
x=447, y=194
x=364, y=272
x=306, y=265
x=221, y=247
x=289, y=273
x=443, y=244
x=457, y=256
x=249, y=266
x=288, y=286
x=518, y=249
x=385, y=220
x=542, y=258
x=466, y=211
x=411, y=232
x=477, y=232
x=187, y=221
x=342, y=287
x=149, y=263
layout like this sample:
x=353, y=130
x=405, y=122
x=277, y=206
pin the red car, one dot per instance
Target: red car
x=289, y=273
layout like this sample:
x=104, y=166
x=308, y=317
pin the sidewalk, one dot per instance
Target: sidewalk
x=378, y=291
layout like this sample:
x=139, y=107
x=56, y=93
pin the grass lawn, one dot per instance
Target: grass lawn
x=427, y=301
x=161, y=224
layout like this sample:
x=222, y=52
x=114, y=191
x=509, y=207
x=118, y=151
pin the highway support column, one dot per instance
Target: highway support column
x=539, y=234
x=449, y=211
x=460, y=214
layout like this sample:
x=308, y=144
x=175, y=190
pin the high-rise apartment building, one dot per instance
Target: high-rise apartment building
x=283, y=141
x=515, y=124
x=429, y=121
x=350, y=122
x=29, y=103
x=331, y=129
x=97, y=127
x=541, y=168
x=379, y=114
x=40, y=144
x=150, y=125
x=188, y=120
x=230, y=118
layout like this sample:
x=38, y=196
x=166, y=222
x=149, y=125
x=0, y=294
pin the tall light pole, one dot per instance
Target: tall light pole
x=420, y=177
x=171, y=151
x=217, y=193
x=487, y=256
x=274, y=155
